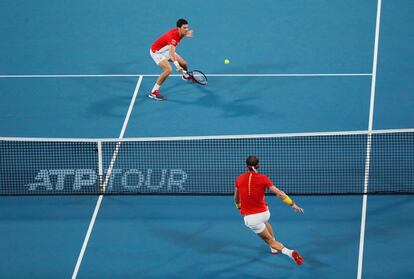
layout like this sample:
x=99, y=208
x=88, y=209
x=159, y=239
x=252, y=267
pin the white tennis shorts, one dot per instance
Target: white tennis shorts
x=163, y=53
x=256, y=222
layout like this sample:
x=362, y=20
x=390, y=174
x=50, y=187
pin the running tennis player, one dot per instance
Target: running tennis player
x=163, y=51
x=249, y=197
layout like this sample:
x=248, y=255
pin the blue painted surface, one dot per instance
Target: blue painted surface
x=203, y=237
x=115, y=36
x=66, y=107
x=394, y=100
x=389, y=241
x=41, y=236
x=252, y=105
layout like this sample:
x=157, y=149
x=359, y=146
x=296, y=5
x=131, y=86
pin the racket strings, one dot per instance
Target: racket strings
x=199, y=77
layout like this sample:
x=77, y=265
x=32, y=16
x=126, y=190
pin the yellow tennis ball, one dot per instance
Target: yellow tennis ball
x=226, y=61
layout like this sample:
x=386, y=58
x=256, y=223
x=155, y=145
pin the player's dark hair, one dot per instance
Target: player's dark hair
x=181, y=22
x=252, y=161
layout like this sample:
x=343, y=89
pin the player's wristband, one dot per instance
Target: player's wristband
x=237, y=205
x=177, y=65
x=288, y=201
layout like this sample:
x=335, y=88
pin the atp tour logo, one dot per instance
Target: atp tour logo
x=120, y=180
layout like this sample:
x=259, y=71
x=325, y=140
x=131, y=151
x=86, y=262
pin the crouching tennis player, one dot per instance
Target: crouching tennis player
x=163, y=51
x=249, y=197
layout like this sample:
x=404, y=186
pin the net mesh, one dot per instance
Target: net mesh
x=28, y=167
x=337, y=163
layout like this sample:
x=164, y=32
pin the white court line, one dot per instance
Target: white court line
x=368, y=155
x=98, y=204
x=178, y=138
x=175, y=75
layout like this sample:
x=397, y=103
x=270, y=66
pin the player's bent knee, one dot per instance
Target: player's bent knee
x=168, y=71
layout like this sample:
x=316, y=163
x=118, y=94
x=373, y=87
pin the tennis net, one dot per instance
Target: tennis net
x=354, y=162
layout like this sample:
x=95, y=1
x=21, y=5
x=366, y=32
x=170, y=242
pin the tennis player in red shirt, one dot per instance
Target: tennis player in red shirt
x=163, y=51
x=249, y=197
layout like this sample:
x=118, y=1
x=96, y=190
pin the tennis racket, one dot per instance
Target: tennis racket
x=198, y=77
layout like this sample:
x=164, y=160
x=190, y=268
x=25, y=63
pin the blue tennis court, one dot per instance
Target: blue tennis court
x=320, y=90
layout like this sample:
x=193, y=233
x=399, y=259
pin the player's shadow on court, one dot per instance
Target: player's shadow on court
x=114, y=105
x=116, y=110
x=203, y=241
x=230, y=98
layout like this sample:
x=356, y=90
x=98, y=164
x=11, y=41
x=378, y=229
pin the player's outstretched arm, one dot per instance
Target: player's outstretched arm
x=285, y=198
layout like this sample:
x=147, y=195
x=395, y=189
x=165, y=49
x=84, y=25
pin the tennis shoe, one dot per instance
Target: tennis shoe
x=274, y=251
x=297, y=257
x=156, y=95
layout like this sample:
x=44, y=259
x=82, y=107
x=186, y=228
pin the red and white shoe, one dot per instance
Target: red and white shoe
x=156, y=95
x=297, y=257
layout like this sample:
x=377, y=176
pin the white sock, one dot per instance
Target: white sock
x=287, y=252
x=156, y=87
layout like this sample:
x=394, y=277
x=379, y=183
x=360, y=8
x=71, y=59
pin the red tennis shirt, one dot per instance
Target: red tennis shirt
x=251, y=187
x=172, y=37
